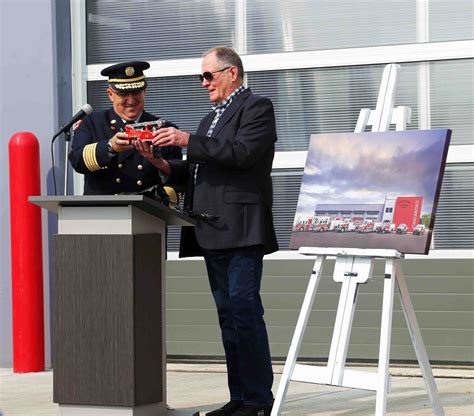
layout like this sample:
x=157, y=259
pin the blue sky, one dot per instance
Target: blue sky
x=367, y=167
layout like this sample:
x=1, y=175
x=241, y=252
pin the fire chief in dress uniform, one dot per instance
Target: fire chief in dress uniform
x=101, y=150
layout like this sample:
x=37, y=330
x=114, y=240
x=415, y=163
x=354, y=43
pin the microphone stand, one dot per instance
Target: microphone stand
x=66, y=129
x=67, y=140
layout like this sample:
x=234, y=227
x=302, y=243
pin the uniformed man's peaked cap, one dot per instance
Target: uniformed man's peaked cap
x=127, y=76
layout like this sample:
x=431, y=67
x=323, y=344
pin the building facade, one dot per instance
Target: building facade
x=320, y=62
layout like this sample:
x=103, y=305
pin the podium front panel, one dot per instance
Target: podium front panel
x=108, y=320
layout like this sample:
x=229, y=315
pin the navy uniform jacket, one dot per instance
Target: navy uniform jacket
x=233, y=180
x=105, y=174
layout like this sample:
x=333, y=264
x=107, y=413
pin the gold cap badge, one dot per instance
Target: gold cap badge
x=129, y=71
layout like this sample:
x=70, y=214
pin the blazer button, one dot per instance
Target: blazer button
x=120, y=165
x=139, y=183
x=118, y=180
x=140, y=167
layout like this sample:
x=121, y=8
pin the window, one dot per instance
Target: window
x=303, y=25
x=308, y=99
x=156, y=30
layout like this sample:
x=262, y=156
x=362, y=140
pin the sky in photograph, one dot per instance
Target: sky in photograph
x=364, y=168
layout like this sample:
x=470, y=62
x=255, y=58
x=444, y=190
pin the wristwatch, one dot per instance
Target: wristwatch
x=110, y=149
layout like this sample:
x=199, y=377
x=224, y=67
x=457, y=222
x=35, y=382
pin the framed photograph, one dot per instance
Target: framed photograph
x=371, y=190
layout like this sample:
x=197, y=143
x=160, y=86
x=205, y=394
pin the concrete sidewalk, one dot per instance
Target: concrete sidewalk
x=203, y=387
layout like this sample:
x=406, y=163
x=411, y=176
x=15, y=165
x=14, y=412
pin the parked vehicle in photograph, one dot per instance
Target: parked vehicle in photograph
x=343, y=226
x=354, y=224
x=402, y=229
x=385, y=227
x=419, y=230
x=366, y=227
x=335, y=223
x=304, y=225
x=298, y=226
x=322, y=224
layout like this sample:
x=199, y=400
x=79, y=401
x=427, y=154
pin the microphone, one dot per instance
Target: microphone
x=85, y=110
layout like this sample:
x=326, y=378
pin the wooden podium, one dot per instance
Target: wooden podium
x=109, y=343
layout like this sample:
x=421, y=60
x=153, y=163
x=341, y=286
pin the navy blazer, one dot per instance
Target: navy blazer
x=233, y=179
x=125, y=172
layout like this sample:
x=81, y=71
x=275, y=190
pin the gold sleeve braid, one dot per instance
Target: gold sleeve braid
x=173, y=196
x=90, y=160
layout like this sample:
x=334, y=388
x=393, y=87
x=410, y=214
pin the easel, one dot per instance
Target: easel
x=354, y=267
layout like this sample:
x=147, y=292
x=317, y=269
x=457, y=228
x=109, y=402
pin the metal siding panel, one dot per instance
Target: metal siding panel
x=443, y=305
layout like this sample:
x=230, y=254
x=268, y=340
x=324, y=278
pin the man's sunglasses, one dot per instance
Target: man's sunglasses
x=209, y=76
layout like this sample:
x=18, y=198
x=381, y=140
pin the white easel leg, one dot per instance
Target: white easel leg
x=298, y=335
x=345, y=333
x=338, y=324
x=417, y=341
x=385, y=337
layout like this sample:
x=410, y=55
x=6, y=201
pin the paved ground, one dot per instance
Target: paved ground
x=193, y=387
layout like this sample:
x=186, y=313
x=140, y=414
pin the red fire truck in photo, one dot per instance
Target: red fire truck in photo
x=322, y=224
x=407, y=211
x=303, y=224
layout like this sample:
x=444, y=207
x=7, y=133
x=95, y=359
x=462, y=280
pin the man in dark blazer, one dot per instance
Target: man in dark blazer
x=101, y=150
x=227, y=172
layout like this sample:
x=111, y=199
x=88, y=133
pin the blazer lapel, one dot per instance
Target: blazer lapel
x=205, y=124
x=230, y=111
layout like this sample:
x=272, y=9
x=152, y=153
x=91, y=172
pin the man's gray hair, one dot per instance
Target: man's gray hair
x=227, y=56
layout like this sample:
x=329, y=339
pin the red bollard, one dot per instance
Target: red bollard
x=27, y=256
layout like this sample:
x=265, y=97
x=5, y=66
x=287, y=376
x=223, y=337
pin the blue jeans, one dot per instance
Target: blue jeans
x=235, y=276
